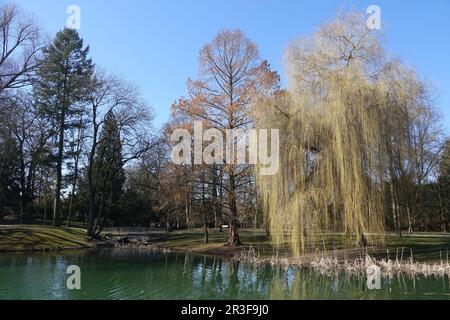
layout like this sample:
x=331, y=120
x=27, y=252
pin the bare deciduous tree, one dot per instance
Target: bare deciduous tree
x=21, y=43
x=110, y=95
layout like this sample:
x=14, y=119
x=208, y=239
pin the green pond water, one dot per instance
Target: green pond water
x=119, y=274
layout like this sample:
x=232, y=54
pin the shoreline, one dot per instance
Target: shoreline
x=244, y=253
x=429, y=248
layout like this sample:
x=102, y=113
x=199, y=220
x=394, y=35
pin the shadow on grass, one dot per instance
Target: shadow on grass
x=39, y=238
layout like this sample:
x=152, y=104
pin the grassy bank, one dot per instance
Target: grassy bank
x=42, y=238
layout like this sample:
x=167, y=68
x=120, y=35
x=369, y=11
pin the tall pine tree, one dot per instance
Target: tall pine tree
x=63, y=76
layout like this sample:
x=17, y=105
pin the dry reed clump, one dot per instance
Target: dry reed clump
x=249, y=255
x=357, y=267
x=388, y=267
x=138, y=247
x=334, y=123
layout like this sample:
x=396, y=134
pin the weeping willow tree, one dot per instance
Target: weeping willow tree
x=345, y=106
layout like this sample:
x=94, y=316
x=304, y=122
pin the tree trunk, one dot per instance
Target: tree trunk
x=186, y=209
x=233, y=236
x=23, y=201
x=75, y=178
x=399, y=223
x=168, y=227
x=92, y=193
x=215, y=198
x=74, y=185
x=100, y=214
x=394, y=207
x=205, y=214
x=59, y=161
x=70, y=210
x=91, y=184
x=206, y=238
x=410, y=223
x=45, y=208
x=267, y=231
x=91, y=214
x=441, y=210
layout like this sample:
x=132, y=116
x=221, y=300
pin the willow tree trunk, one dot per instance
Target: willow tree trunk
x=393, y=207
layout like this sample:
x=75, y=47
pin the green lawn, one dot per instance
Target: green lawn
x=41, y=238
x=193, y=240
x=424, y=246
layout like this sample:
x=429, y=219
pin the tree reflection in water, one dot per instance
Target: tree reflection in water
x=138, y=274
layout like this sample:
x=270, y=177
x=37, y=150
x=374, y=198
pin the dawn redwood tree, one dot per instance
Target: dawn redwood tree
x=230, y=78
x=63, y=76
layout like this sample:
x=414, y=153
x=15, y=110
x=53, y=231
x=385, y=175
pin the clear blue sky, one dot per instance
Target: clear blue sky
x=155, y=43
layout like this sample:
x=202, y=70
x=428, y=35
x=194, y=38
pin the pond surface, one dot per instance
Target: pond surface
x=120, y=274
